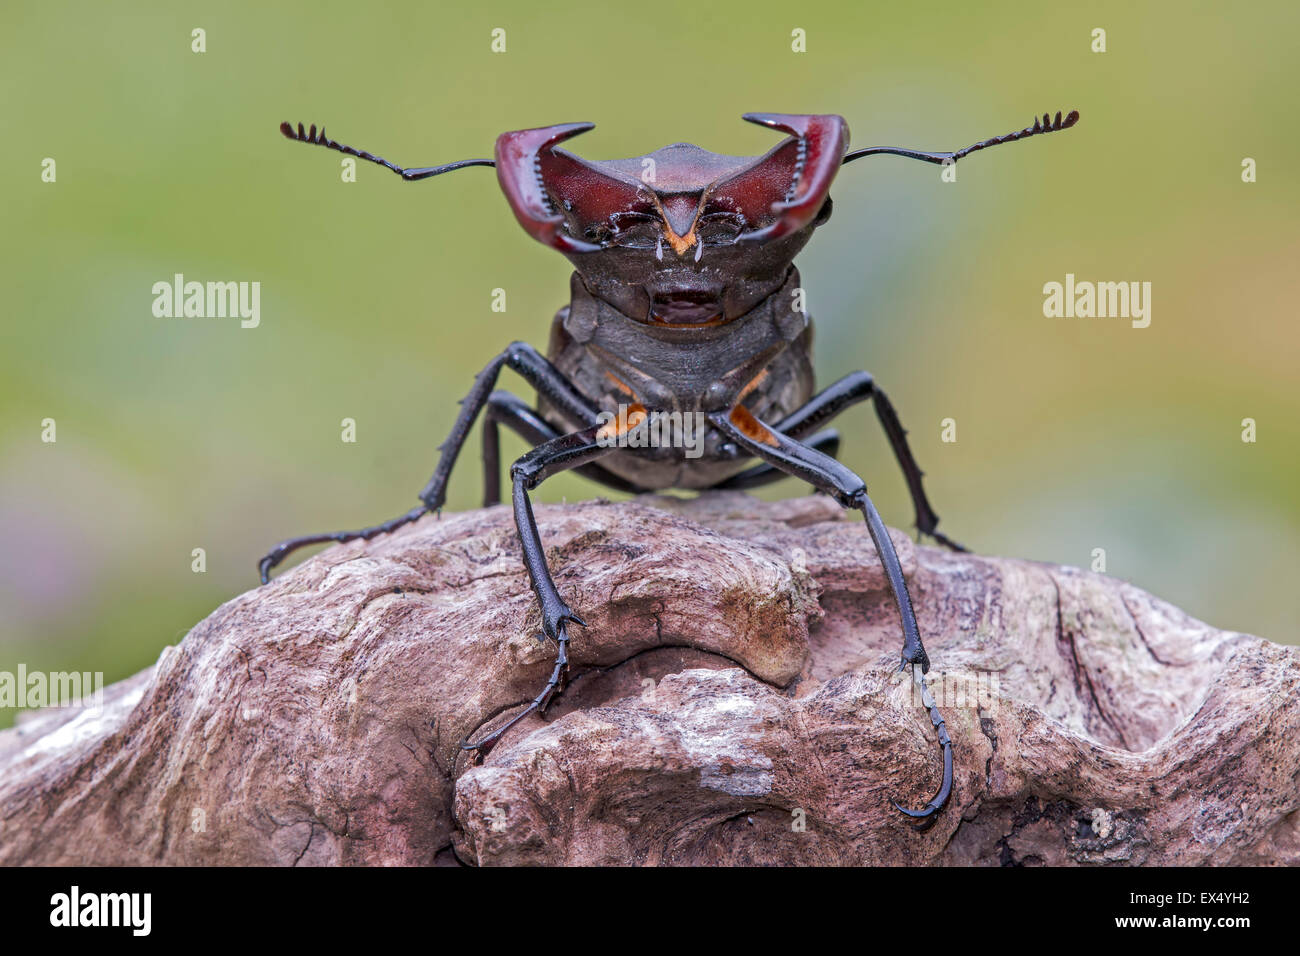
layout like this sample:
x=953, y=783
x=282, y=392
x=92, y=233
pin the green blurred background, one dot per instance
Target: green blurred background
x=1073, y=434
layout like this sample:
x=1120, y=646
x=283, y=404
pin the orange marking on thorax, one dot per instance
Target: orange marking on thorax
x=756, y=381
x=751, y=427
x=621, y=385
x=628, y=419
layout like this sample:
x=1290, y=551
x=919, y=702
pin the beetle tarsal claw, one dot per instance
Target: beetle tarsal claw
x=926, y=816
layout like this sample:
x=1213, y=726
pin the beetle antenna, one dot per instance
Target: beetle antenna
x=410, y=175
x=1048, y=124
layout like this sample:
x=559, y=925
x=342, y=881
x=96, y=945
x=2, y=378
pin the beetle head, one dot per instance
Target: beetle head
x=680, y=236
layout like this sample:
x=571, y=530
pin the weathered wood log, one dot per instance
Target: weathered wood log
x=736, y=700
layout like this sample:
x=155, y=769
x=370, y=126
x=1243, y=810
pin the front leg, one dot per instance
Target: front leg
x=559, y=454
x=828, y=475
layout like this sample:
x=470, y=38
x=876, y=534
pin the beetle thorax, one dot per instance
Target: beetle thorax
x=688, y=368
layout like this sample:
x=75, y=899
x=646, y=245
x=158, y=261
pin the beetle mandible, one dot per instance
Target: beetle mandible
x=685, y=301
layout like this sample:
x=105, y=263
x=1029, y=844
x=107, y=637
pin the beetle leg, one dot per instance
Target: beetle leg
x=538, y=372
x=827, y=442
x=828, y=475
x=850, y=390
x=285, y=548
x=926, y=815
x=560, y=454
x=513, y=412
x=533, y=367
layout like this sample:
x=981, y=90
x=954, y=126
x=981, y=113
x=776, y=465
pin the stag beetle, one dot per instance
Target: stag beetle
x=685, y=300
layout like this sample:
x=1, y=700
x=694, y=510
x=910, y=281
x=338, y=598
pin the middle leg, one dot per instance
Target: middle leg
x=533, y=367
x=825, y=405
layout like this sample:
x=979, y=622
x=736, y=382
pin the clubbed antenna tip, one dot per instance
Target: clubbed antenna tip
x=305, y=135
x=1050, y=125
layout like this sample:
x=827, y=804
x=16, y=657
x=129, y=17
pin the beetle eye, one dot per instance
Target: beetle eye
x=635, y=230
x=720, y=228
